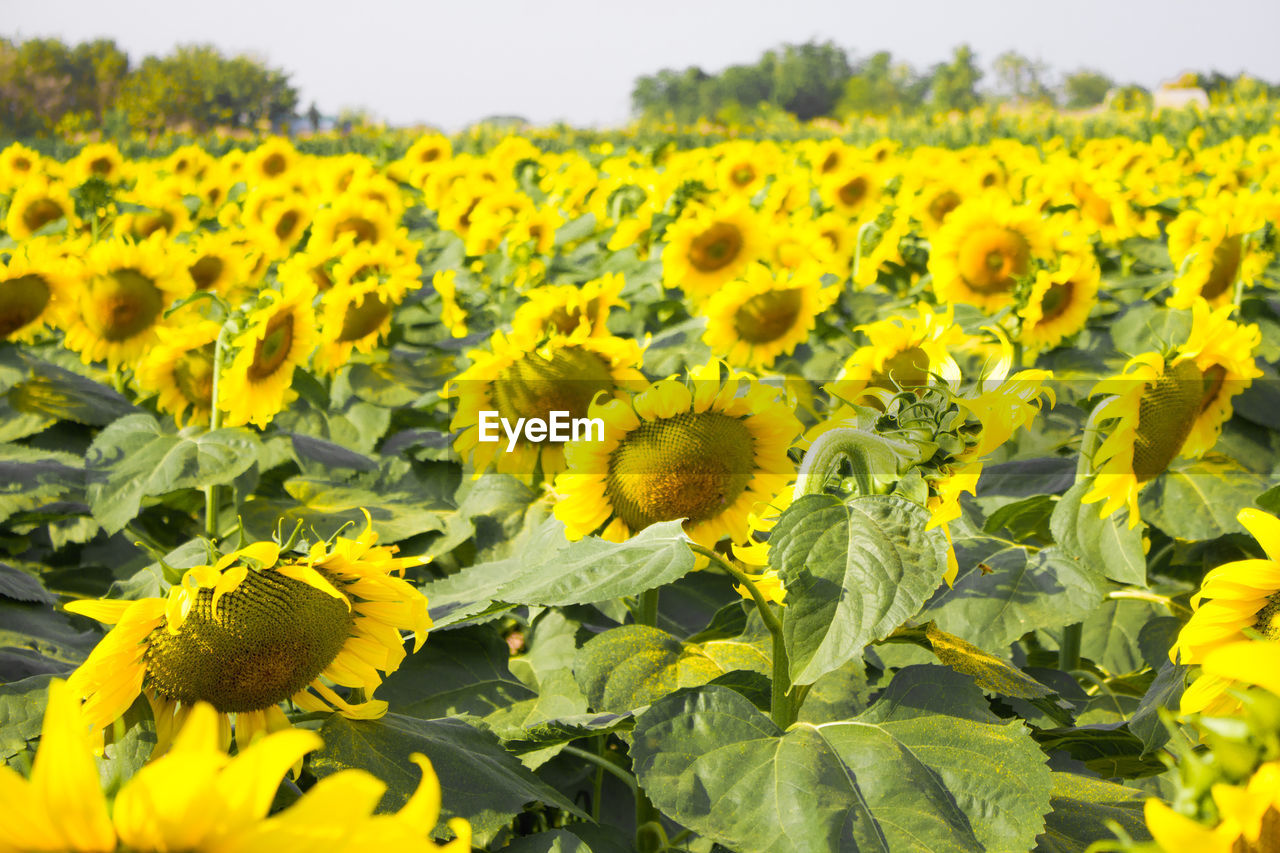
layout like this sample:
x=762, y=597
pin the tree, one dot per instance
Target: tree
x=880, y=87
x=954, y=85
x=1022, y=79
x=809, y=79
x=1085, y=88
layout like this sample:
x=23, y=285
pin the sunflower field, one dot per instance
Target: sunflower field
x=767, y=492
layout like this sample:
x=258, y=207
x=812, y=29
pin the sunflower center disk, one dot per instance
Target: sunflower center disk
x=40, y=213
x=270, y=638
x=193, y=374
x=716, y=247
x=768, y=316
x=942, y=204
x=907, y=369
x=853, y=192
x=22, y=299
x=273, y=349
x=1226, y=266
x=534, y=387
x=122, y=304
x=1056, y=301
x=363, y=318
x=991, y=258
x=1166, y=414
x=693, y=465
x=206, y=271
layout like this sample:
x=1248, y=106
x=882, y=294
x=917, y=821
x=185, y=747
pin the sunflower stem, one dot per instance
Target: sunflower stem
x=1088, y=446
x=825, y=455
x=215, y=422
x=605, y=765
x=1175, y=607
x=647, y=614
x=1069, y=648
x=782, y=707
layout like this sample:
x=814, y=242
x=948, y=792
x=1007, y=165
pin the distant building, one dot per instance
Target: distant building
x=1179, y=99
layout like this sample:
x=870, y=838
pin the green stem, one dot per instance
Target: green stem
x=825, y=454
x=782, y=710
x=1153, y=597
x=650, y=836
x=648, y=611
x=604, y=764
x=215, y=422
x=1069, y=649
x=597, y=789
x=1088, y=446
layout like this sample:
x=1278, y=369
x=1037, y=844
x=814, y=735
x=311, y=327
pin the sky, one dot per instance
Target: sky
x=451, y=63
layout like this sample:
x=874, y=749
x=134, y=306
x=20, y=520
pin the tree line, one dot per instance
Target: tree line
x=815, y=80
x=50, y=88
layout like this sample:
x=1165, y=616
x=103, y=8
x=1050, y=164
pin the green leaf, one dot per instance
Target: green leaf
x=20, y=586
x=21, y=713
x=136, y=457
x=1108, y=543
x=479, y=780
x=709, y=759
x=1109, y=750
x=56, y=394
x=1198, y=500
x=1148, y=328
x=45, y=630
x=1165, y=693
x=632, y=666
x=552, y=841
x=854, y=572
x=31, y=478
x=553, y=571
x=455, y=672
x=1013, y=591
x=1109, y=636
x=1082, y=807
x=987, y=671
x=1023, y=519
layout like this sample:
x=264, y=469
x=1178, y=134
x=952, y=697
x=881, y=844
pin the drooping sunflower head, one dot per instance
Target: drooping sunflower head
x=981, y=251
x=710, y=452
x=369, y=282
x=254, y=630
x=561, y=309
x=520, y=378
x=36, y=284
x=37, y=203
x=280, y=334
x=1215, y=249
x=762, y=316
x=1223, y=350
x=126, y=288
x=903, y=353
x=708, y=247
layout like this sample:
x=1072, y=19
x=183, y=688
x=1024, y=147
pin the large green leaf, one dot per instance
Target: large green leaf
x=1110, y=634
x=1108, y=543
x=854, y=572
x=1082, y=808
x=1199, y=499
x=632, y=666
x=136, y=457
x=22, y=706
x=550, y=570
x=456, y=672
x=709, y=759
x=479, y=780
x=30, y=478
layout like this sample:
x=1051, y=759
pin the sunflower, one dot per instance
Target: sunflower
x=1212, y=248
x=100, y=160
x=429, y=151
x=39, y=202
x=280, y=335
x=273, y=159
x=535, y=227
x=127, y=287
x=763, y=315
x=367, y=221
x=1060, y=300
x=1232, y=598
x=904, y=352
x=179, y=369
x=35, y=288
x=563, y=308
x=165, y=209
x=520, y=378
x=852, y=191
x=981, y=250
x=369, y=282
x=709, y=454
x=198, y=798
x=256, y=629
x=707, y=247
x=217, y=262
x=744, y=167
x=1250, y=818
x=190, y=162
x=18, y=164
x=278, y=223
x=1165, y=407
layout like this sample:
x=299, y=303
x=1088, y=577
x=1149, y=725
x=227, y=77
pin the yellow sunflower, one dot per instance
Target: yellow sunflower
x=275, y=158
x=367, y=221
x=754, y=320
x=179, y=369
x=520, y=378
x=904, y=352
x=709, y=454
x=18, y=164
x=981, y=250
x=1233, y=597
x=563, y=308
x=127, y=287
x=166, y=210
x=1212, y=248
x=198, y=798
x=218, y=262
x=36, y=203
x=1248, y=816
x=100, y=160
x=1169, y=407
x=280, y=335
x=452, y=314
x=369, y=282
x=256, y=629
x=36, y=285
x=852, y=191
x=278, y=223
x=1060, y=300
x=707, y=247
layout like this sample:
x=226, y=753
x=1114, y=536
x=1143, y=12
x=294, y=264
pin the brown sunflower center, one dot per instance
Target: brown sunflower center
x=1226, y=266
x=274, y=165
x=287, y=224
x=102, y=166
x=193, y=374
x=1056, y=301
x=1267, y=624
x=768, y=316
x=906, y=369
x=830, y=163
x=534, y=387
x=1166, y=414
x=363, y=318
x=122, y=304
x=365, y=230
x=742, y=175
x=992, y=257
x=150, y=223
x=716, y=247
x=1268, y=836
x=273, y=348
x=942, y=204
x=40, y=213
x=206, y=271
x=693, y=465
x=566, y=320
x=270, y=638
x=852, y=192
x=22, y=300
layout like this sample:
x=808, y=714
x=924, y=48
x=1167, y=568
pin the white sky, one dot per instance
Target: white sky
x=450, y=62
